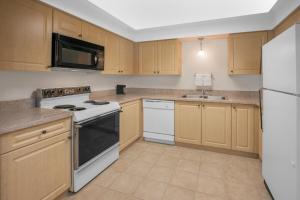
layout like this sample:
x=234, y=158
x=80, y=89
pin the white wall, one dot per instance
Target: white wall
x=19, y=85
x=16, y=85
x=215, y=62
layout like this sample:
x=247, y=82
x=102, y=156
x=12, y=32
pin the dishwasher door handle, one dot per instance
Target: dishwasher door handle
x=154, y=101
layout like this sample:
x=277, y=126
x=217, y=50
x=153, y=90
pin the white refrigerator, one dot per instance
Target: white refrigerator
x=281, y=115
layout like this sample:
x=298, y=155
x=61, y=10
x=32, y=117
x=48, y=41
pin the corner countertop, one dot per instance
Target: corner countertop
x=250, y=98
x=17, y=119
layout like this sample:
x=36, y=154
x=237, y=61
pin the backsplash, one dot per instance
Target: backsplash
x=20, y=85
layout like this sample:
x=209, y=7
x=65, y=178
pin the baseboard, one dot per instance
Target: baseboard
x=218, y=150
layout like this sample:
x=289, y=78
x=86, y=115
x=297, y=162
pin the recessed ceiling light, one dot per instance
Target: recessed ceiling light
x=143, y=14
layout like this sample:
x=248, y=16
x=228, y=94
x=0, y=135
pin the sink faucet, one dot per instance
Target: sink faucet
x=203, y=91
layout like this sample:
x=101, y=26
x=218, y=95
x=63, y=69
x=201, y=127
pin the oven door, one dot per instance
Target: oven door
x=94, y=137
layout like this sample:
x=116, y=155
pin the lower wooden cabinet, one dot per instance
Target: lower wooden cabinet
x=130, y=123
x=188, y=122
x=38, y=171
x=243, y=128
x=216, y=125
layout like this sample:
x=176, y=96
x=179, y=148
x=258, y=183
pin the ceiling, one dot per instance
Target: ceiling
x=144, y=20
x=144, y=14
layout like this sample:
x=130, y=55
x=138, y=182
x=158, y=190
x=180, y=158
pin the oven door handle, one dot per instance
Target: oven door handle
x=77, y=126
x=76, y=146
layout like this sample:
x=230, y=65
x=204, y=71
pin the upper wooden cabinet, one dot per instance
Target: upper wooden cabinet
x=67, y=25
x=243, y=128
x=160, y=57
x=169, y=57
x=93, y=34
x=245, y=52
x=118, y=55
x=126, y=56
x=188, y=122
x=71, y=26
x=112, y=54
x=26, y=28
x=130, y=123
x=216, y=125
x=148, y=58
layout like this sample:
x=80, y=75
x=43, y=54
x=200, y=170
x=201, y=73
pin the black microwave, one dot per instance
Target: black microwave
x=72, y=53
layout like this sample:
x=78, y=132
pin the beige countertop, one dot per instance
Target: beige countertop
x=17, y=119
x=251, y=98
x=20, y=114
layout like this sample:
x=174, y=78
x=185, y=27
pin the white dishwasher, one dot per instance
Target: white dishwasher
x=159, y=121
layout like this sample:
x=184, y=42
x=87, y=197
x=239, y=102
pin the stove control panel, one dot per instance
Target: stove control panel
x=59, y=92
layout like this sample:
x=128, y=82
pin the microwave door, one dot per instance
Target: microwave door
x=74, y=56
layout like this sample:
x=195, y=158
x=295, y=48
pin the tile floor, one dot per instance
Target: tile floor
x=150, y=171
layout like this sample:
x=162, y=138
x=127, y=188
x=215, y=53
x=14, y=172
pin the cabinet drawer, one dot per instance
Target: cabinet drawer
x=18, y=139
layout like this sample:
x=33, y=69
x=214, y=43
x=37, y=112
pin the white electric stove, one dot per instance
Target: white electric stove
x=95, y=135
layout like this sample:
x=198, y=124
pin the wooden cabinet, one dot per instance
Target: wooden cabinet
x=160, y=57
x=216, y=125
x=22, y=138
x=188, y=122
x=93, y=34
x=245, y=52
x=118, y=55
x=148, y=58
x=67, y=25
x=130, y=123
x=112, y=54
x=243, y=128
x=71, y=26
x=26, y=29
x=169, y=57
x=126, y=56
x=41, y=170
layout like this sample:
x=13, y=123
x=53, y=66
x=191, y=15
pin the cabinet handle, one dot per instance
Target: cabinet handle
x=231, y=71
x=80, y=35
x=158, y=72
x=203, y=106
x=44, y=132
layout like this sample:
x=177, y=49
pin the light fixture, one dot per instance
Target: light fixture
x=201, y=52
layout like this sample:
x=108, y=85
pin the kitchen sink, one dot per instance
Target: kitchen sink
x=208, y=97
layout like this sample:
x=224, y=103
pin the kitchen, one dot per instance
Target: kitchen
x=134, y=106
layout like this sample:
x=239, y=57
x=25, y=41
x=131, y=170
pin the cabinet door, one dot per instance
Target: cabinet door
x=130, y=123
x=188, y=123
x=112, y=54
x=93, y=34
x=26, y=29
x=245, y=52
x=169, y=57
x=126, y=56
x=216, y=125
x=148, y=58
x=243, y=128
x=67, y=25
x=39, y=171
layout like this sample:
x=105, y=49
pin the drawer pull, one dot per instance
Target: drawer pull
x=44, y=132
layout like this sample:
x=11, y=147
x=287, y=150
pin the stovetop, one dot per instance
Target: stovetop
x=82, y=107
